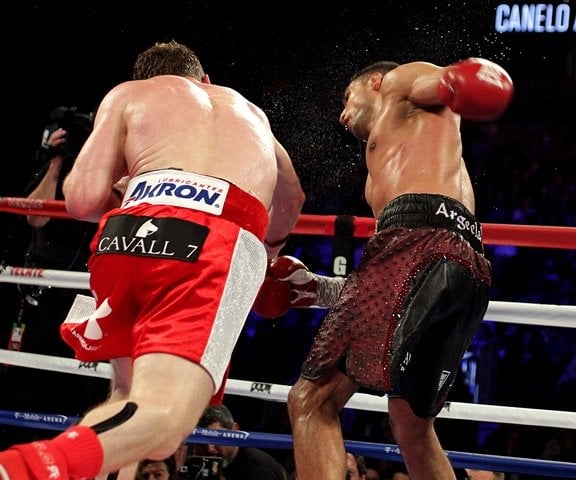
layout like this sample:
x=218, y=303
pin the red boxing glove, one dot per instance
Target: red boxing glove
x=476, y=88
x=290, y=284
x=302, y=283
x=273, y=299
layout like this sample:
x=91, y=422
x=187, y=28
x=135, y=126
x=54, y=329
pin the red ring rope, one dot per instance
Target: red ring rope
x=494, y=233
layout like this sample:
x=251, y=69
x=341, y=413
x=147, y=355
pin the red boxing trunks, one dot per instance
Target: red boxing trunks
x=407, y=315
x=175, y=270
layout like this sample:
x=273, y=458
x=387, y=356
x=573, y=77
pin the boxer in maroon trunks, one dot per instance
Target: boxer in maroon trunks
x=407, y=315
x=389, y=330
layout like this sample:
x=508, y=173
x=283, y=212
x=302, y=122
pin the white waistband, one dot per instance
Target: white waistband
x=177, y=188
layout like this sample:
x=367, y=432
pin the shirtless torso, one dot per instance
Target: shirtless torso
x=413, y=142
x=421, y=287
x=176, y=122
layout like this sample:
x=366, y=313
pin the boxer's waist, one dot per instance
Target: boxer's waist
x=203, y=193
x=415, y=210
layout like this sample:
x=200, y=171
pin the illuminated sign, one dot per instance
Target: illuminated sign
x=534, y=18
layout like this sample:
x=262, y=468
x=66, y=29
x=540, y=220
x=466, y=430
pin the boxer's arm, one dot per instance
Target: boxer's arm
x=475, y=88
x=286, y=203
x=88, y=188
x=307, y=289
x=290, y=284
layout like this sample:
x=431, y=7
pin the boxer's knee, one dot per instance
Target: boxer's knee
x=407, y=427
x=298, y=401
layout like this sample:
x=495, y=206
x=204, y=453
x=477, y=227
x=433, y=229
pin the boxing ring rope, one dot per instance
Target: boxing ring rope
x=493, y=233
x=381, y=451
x=279, y=393
x=271, y=392
x=498, y=311
x=34, y=206
x=509, y=312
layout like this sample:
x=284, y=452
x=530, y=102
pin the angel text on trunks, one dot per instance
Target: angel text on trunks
x=461, y=221
x=417, y=210
x=152, y=237
x=181, y=189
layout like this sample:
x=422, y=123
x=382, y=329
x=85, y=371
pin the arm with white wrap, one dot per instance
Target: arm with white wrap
x=290, y=284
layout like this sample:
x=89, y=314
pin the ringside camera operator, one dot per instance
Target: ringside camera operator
x=229, y=462
x=58, y=244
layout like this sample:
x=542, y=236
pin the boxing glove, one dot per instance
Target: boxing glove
x=273, y=298
x=307, y=289
x=476, y=88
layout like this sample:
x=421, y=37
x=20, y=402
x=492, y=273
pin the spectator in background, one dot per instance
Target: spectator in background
x=561, y=447
x=239, y=463
x=157, y=470
x=372, y=474
x=566, y=386
x=484, y=475
x=461, y=474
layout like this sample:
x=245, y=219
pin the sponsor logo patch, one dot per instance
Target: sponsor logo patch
x=182, y=189
x=152, y=237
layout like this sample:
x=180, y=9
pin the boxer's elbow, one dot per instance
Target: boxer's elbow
x=87, y=205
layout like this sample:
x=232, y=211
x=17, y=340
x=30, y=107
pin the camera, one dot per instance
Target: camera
x=200, y=467
x=77, y=125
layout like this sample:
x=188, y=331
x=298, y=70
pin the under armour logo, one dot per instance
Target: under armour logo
x=147, y=229
x=93, y=330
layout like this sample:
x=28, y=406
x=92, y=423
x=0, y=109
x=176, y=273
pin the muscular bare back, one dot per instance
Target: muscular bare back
x=413, y=141
x=177, y=122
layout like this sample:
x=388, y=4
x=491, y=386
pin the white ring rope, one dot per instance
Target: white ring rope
x=44, y=277
x=279, y=393
x=506, y=312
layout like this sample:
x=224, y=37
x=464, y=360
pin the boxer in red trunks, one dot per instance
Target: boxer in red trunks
x=202, y=318
x=193, y=193
x=406, y=316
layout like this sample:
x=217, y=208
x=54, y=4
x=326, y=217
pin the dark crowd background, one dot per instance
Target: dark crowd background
x=293, y=59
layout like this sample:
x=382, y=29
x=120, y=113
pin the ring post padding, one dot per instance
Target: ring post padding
x=343, y=242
